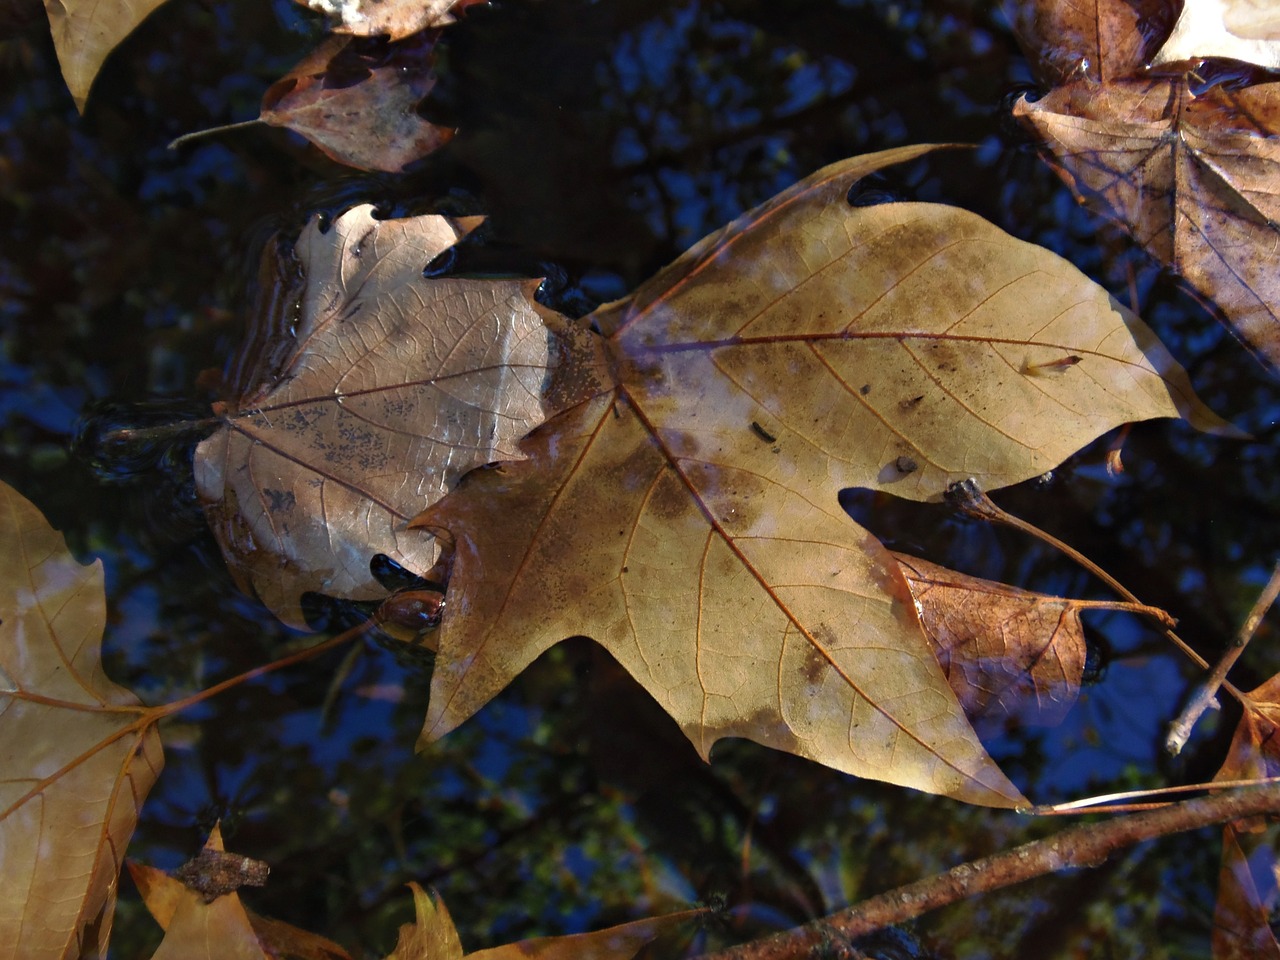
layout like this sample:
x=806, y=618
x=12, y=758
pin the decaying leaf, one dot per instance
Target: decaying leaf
x=394, y=18
x=369, y=123
x=1241, y=924
x=1246, y=30
x=1006, y=652
x=232, y=927
x=1090, y=39
x=362, y=402
x=85, y=31
x=1193, y=178
x=76, y=756
x=433, y=937
x=688, y=520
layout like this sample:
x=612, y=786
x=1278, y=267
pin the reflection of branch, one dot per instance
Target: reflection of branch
x=1181, y=728
x=1086, y=845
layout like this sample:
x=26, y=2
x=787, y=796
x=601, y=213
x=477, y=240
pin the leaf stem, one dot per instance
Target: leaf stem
x=198, y=134
x=1084, y=845
x=1180, y=729
x=971, y=500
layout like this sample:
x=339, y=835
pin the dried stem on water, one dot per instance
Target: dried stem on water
x=1206, y=696
x=1085, y=845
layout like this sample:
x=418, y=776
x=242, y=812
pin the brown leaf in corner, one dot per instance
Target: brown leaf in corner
x=1006, y=652
x=358, y=104
x=1246, y=896
x=1192, y=178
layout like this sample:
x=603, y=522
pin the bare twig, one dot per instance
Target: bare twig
x=1180, y=730
x=1085, y=845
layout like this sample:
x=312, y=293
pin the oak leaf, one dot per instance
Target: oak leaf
x=364, y=392
x=76, y=756
x=1192, y=178
x=688, y=521
x=205, y=926
x=433, y=937
x=370, y=122
x=393, y=18
x=1007, y=652
x=85, y=31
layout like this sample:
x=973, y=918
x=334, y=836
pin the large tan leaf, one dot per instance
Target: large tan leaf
x=85, y=31
x=379, y=390
x=689, y=523
x=76, y=756
x=1193, y=179
x=1246, y=30
x=433, y=937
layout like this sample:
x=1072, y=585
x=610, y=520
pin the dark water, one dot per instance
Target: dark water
x=601, y=138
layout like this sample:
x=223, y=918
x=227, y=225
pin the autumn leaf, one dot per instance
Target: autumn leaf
x=394, y=18
x=76, y=758
x=688, y=520
x=370, y=124
x=1246, y=30
x=1006, y=652
x=1192, y=178
x=433, y=937
x=207, y=926
x=364, y=395
x=85, y=31
x=1241, y=917
x=1093, y=39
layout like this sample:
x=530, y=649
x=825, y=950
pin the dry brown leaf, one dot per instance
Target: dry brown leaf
x=1246, y=30
x=689, y=523
x=361, y=402
x=371, y=123
x=76, y=758
x=393, y=18
x=433, y=937
x=166, y=897
x=1006, y=652
x=85, y=31
x=1193, y=179
x=1241, y=926
x=1093, y=39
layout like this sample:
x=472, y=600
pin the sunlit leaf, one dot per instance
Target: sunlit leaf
x=394, y=18
x=1246, y=30
x=85, y=31
x=77, y=757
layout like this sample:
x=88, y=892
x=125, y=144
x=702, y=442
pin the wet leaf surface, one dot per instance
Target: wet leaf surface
x=75, y=763
x=371, y=123
x=1094, y=39
x=383, y=389
x=1192, y=178
x=688, y=521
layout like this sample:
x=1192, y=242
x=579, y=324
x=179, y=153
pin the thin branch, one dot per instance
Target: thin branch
x=1180, y=730
x=1085, y=845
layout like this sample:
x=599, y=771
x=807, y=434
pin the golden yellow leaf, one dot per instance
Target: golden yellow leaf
x=77, y=757
x=85, y=31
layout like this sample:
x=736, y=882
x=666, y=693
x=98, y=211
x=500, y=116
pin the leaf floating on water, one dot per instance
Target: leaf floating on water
x=75, y=762
x=365, y=402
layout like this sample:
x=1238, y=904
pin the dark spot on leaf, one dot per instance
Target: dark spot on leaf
x=865, y=389
x=762, y=433
x=906, y=465
x=910, y=404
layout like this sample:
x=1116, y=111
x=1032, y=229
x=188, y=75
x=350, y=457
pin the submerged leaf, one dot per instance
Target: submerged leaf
x=1006, y=652
x=370, y=124
x=76, y=758
x=1192, y=178
x=382, y=391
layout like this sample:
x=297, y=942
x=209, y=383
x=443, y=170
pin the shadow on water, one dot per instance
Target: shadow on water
x=600, y=138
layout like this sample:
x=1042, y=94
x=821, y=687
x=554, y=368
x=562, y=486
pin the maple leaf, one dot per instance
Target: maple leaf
x=196, y=924
x=1192, y=178
x=1097, y=39
x=364, y=392
x=371, y=124
x=393, y=18
x=76, y=760
x=1246, y=30
x=433, y=937
x=85, y=31
x=688, y=521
